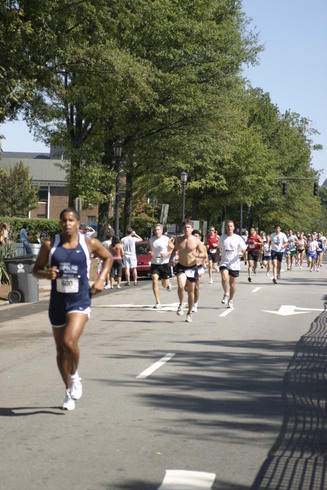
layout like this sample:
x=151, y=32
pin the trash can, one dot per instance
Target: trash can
x=24, y=286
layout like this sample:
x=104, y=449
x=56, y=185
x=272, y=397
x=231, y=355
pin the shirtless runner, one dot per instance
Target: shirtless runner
x=189, y=248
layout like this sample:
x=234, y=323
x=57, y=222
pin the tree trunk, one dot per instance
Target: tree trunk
x=128, y=201
x=103, y=214
x=103, y=221
x=195, y=204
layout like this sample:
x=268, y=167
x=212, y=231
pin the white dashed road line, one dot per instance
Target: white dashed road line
x=187, y=480
x=156, y=365
x=255, y=290
x=226, y=312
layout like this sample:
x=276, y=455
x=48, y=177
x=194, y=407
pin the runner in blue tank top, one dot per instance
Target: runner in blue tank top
x=68, y=257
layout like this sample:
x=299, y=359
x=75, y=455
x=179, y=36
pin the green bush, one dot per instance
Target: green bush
x=35, y=227
x=7, y=251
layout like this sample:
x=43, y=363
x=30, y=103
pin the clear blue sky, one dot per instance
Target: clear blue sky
x=292, y=68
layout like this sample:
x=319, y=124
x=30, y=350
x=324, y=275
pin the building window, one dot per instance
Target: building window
x=41, y=216
x=92, y=220
x=42, y=194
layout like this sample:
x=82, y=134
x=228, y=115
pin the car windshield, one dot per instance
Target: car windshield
x=142, y=249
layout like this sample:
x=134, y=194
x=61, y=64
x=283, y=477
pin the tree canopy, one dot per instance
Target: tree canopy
x=166, y=78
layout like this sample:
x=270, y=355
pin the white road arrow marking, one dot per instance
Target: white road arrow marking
x=156, y=365
x=287, y=310
x=187, y=480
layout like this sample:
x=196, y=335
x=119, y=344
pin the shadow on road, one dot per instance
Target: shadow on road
x=25, y=411
x=298, y=458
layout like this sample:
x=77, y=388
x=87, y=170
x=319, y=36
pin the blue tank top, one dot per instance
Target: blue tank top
x=71, y=290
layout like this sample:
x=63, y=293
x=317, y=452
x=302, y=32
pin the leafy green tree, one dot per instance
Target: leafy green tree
x=17, y=195
x=17, y=67
x=145, y=72
x=287, y=138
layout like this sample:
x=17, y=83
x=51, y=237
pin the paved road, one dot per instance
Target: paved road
x=236, y=401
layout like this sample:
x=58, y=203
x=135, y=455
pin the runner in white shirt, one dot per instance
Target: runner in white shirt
x=313, y=247
x=229, y=247
x=160, y=248
x=279, y=242
x=291, y=248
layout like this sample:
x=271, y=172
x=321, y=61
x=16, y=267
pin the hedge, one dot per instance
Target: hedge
x=35, y=227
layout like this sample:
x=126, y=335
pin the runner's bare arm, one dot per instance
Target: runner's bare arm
x=200, y=251
x=173, y=253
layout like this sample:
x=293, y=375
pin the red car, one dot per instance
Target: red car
x=143, y=259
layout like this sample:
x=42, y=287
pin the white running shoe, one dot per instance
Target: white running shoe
x=230, y=304
x=169, y=287
x=157, y=306
x=225, y=298
x=180, y=310
x=76, y=389
x=69, y=403
x=189, y=317
x=195, y=309
x=107, y=286
x=210, y=280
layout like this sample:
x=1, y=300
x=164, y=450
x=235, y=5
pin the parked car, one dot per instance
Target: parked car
x=143, y=259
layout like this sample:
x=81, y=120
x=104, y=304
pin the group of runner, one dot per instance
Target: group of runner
x=227, y=249
x=65, y=260
x=295, y=247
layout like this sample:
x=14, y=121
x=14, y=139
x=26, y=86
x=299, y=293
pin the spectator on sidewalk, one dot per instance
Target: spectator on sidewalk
x=129, y=245
x=117, y=251
x=89, y=231
x=24, y=239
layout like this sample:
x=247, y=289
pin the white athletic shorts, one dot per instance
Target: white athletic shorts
x=130, y=262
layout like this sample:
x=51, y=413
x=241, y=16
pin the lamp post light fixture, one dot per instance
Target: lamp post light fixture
x=184, y=177
x=118, y=148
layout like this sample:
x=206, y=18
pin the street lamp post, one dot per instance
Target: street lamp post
x=118, y=148
x=183, y=181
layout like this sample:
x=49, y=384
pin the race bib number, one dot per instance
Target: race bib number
x=190, y=273
x=67, y=284
x=213, y=250
x=229, y=254
x=159, y=260
x=251, y=246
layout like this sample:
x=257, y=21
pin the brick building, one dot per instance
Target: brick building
x=48, y=171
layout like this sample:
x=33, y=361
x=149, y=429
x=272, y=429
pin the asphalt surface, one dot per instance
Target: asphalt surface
x=234, y=400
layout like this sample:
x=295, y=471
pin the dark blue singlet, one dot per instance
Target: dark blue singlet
x=74, y=266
